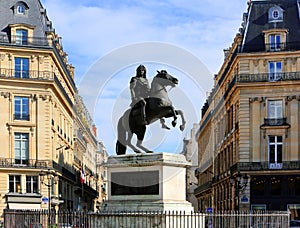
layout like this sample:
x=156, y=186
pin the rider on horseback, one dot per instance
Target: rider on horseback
x=140, y=89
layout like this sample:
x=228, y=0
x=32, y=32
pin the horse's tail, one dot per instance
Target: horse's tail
x=120, y=147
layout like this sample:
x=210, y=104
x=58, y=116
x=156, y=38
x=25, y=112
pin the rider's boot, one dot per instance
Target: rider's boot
x=144, y=120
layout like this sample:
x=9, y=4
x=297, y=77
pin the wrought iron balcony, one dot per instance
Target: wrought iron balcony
x=265, y=165
x=29, y=74
x=266, y=77
x=21, y=116
x=25, y=41
x=275, y=121
x=28, y=163
x=272, y=47
x=204, y=187
x=79, y=187
x=35, y=75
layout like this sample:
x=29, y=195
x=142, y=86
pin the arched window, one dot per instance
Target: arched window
x=275, y=14
x=20, y=8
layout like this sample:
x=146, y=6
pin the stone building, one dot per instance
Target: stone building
x=42, y=126
x=249, y=132
x=190, y=151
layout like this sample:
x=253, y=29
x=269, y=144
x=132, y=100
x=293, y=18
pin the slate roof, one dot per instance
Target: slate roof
x=258, y=21
x=35, y=16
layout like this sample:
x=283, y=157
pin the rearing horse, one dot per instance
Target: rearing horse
x=158, y=106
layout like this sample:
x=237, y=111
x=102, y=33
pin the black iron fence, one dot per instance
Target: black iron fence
x=129, y=219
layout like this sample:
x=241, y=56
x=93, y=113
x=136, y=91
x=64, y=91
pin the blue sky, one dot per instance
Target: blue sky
x=94, y=30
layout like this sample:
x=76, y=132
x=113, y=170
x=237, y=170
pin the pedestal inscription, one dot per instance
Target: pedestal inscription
x=135, y=183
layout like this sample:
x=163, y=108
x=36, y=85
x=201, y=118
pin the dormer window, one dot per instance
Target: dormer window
x=20, y=8
x=275, y=14
x=275, y=39
x=21, y=34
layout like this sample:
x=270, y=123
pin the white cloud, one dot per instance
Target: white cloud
x=92, y=29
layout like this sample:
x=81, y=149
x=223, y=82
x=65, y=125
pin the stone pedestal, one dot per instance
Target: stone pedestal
x=147, y=182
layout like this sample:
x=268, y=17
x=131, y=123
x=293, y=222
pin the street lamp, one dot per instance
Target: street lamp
x=241, y=182
x=52, y=178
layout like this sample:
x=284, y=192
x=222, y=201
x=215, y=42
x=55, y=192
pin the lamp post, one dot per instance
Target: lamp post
x=240, y=181
x=52, y=179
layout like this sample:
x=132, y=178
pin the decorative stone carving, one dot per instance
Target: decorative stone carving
x=44, y=97
x=6, y=94
x=290, y=98
x=259, y=99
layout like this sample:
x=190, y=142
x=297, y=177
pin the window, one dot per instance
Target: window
x=21, y=108
x=275, y=152
x=276, y=186
x=15, y=183
x=294, y=185
x=21, y=67
x=275, y=71
x=275, y=108
x=258, y=185
x=21, y=9
x=275, y=14
x=21, y=148
x=21, y=36
x=274, y=42
x=31, y=184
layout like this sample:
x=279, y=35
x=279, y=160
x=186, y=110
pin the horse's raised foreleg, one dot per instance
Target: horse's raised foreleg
x=183, y=122
x=174, y=122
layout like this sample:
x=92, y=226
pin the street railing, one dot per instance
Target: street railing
x=160, y=219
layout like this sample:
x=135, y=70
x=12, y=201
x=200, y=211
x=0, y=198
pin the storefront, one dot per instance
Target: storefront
x=276, y=192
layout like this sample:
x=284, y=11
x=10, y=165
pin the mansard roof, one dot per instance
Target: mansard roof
x=258, y=20
x=34, y=15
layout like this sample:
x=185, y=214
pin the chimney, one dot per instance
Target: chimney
x=94, y=130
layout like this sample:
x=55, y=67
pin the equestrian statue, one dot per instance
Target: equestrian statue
x=148, y=105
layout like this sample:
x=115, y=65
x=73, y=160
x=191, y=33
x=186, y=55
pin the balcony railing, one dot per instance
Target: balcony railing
x=269, y=47
x=275, y=121
x=21, y=116
x=29, y=41
x=204, y=187
x=28, y=163
x=87, y=189
x=30, y=74
x=272, y=47
x=265, y=165
x=266, y=77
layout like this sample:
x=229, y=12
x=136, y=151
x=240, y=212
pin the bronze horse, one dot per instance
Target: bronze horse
x=158, y=106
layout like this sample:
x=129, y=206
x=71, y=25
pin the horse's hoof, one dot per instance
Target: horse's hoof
x=165, y=127
x=149, y=152
x=182, y=127
x=174, y=122
x=137, y=152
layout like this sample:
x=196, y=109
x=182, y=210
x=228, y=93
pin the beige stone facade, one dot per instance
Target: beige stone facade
x=249, y=131
x=44, y=125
